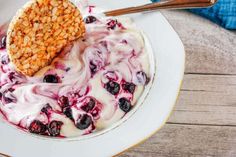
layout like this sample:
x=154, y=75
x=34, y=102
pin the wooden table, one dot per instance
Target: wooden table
x=204, y=120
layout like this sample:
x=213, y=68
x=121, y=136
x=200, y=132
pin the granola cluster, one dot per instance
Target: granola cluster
x=40, y=30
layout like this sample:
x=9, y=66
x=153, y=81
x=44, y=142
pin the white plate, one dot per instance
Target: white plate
x=146, y=120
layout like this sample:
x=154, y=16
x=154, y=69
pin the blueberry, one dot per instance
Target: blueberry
x=89, y=106
x=3, y=42
x=93, y=67
x=68, y=69
x=7, y=100
x=15, y=78
x=8, y=97
x=90, y=19
x=50, y=79
x=104, y=43
x=37, y=127
x=124, y=41
x=112, y=24
x=125, y=105
x=63, y=101
x=54, y=128
x=11, y=90
x=130, y=87
x=68, y=112
x=11, y=76
x=112, y=87
x=5, y=60
x=84, y=122
x=142, y=78
x=46, y=109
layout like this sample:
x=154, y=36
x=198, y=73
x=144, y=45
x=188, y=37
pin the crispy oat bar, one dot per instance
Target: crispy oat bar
x=40, y=30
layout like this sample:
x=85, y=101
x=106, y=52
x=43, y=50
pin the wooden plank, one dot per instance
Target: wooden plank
x=206, y=99
x=209, y=48
x=188, y=140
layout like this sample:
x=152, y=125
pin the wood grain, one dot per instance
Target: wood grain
x=204, y=120
x=188, y=141
x=209, y=48
x=206, y=99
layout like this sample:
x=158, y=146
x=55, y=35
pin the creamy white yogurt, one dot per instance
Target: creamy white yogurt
x=113, y=50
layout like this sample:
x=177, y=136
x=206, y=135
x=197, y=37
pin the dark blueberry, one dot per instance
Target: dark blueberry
x=11, y=76
x=124, y=41
x=103, y=43
x=15, y=77
x=125, y=105
x=84, y=122
x=54, y=128
x=37, y=127
x=68, y=69
x=68, y=112
x=112, y=24
x=5, y=60
x=8, y=97
x=90, y=19
x=112, y=87
x=63, y=101
x=3, y=42
x=11, y=90
x=93, y=67
x=142, y=78
x=46, y=109
x=130, y=87
x=89, y=106
x=7, y=100
x=50, y=79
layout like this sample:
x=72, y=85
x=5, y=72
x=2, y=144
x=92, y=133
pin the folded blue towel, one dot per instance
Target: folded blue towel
x=222, y=13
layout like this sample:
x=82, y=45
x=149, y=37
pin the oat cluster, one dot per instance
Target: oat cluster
x=40, y=30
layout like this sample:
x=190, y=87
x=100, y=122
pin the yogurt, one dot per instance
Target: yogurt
x=92, y=84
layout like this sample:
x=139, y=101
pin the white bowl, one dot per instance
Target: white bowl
x=150, y=114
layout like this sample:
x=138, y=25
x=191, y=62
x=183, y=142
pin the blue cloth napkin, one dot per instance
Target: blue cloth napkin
x=222, y=13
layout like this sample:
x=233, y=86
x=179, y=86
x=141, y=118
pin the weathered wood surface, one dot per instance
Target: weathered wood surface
x=204, y=120
x=209, y=48
x=176, y=140
x=206, y=99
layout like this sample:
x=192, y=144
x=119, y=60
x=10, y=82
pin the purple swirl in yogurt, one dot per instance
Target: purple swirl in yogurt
x=93, y=83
